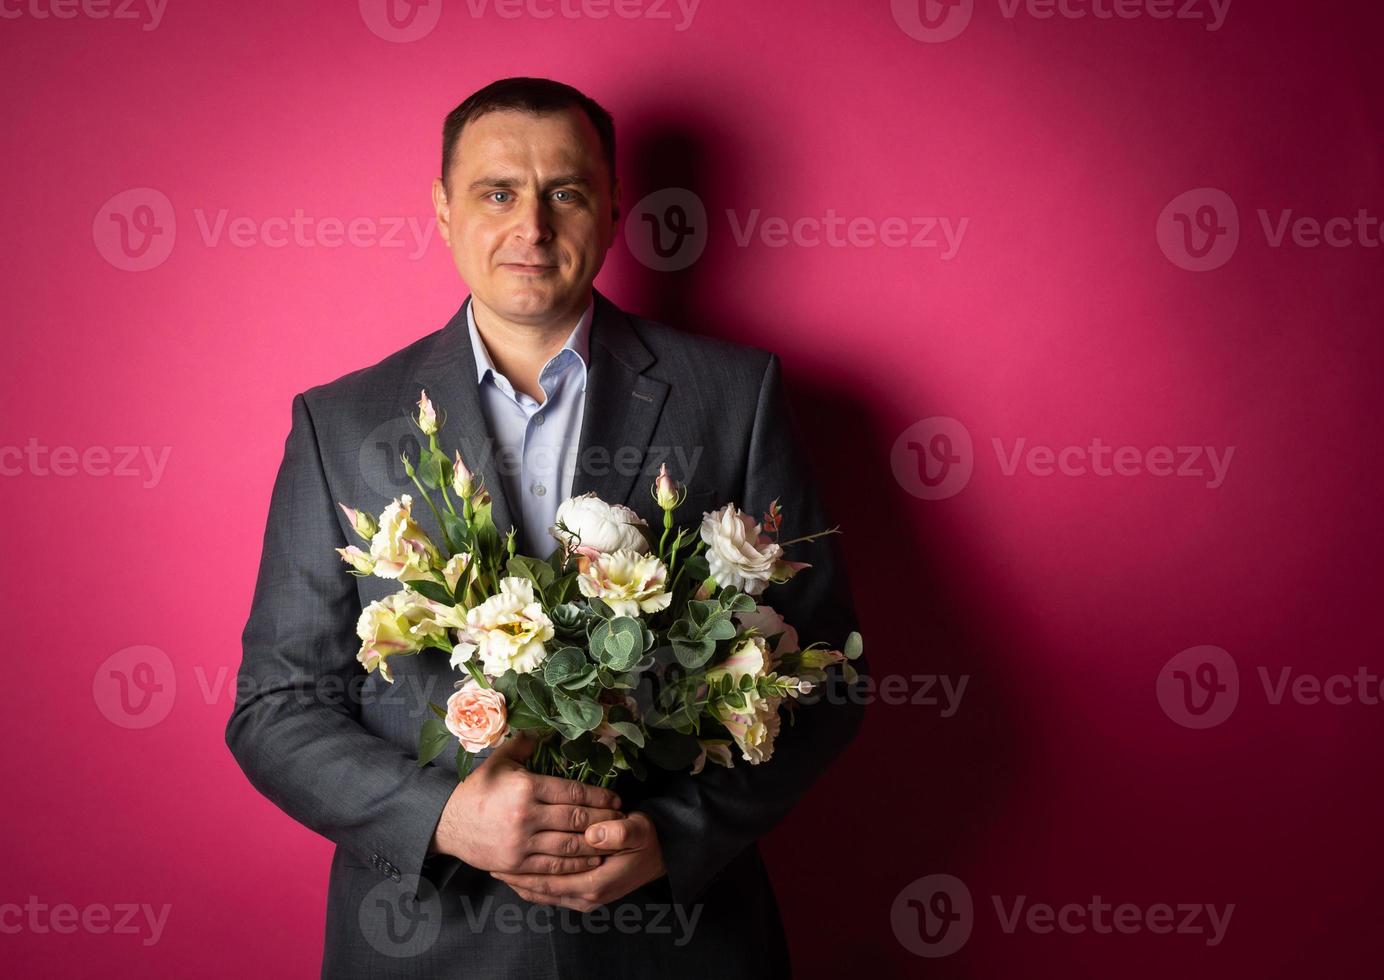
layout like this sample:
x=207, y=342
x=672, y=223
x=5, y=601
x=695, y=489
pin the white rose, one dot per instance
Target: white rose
x=738, y=554
x=598, y=525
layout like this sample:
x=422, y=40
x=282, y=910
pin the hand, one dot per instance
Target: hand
x=504, y=818
x=633, y=858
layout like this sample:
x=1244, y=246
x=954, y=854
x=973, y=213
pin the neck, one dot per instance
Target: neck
x=520, y=349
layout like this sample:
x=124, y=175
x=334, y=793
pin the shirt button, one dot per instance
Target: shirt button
x=538, y=419
x=539, y=489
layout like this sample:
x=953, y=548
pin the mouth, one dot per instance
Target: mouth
x=524, y=268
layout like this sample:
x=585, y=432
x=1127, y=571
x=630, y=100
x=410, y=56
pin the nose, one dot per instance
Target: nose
x=532, y=222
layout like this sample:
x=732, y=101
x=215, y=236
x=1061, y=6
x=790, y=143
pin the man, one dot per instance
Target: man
x=548, y=390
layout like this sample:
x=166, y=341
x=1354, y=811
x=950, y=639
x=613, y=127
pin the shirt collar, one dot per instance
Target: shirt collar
x=578, y=341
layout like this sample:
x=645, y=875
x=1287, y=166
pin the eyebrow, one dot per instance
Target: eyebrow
x=511, y=182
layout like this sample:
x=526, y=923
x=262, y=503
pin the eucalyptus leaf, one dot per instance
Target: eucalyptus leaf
x=630, y=730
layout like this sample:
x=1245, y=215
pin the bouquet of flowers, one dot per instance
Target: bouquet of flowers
x=612, y=652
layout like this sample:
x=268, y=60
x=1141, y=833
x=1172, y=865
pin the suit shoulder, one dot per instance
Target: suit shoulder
x=680, y=348
x=376, y=377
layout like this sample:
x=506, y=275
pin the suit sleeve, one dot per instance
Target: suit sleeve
x=294, y=729
x=704, y=821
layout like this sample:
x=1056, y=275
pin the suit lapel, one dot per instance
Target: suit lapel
x=449, y=375
x=621, y=409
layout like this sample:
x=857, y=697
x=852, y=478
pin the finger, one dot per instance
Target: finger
x=627, y=833
x=566, y=903
x=560, y=844
x=576, y=887
x=573, y=819
x=547, y=864
x=555, y=789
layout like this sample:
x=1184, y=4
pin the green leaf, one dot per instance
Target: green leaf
x=719, y=627
x=854, y=645
x=630, y=730
x=458, y=534
x=465, y=760
x=601, y=759
x=440, y=712
x=563, y=665
x=579, y=712
x=671, y=750
x=538, y=698
x=432, y=739
x=693, y=653
x=435, y=591
x=522, y=718
x=581, y=680
x=736, y=601
x=538, y=572
x=577, y=750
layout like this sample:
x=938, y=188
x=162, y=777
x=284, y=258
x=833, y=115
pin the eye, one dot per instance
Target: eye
x=494, y=193
x=571, y=195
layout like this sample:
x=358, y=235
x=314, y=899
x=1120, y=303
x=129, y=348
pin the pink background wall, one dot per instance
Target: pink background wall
x=1068, y=306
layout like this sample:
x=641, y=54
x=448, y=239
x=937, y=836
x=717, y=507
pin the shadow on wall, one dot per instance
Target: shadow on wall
x=917, y=791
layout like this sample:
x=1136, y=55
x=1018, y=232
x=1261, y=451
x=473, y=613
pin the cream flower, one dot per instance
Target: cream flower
x=748, y=658
x=400, y=547
x=768, y=622
x=740, y=555
x=754, y=727
x=508, y=629
x=628, y=582
x=400, y=623
x=456, y=566
x=427, y=415
x=599, y=526
x=357, y=559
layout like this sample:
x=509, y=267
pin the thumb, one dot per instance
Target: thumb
x=622, y=834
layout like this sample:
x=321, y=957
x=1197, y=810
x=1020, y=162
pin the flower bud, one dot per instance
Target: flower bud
x=427, y=415
x=665, y=490
x=462, y=481
x=361, y=522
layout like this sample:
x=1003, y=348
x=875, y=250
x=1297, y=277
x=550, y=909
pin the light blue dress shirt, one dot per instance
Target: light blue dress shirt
x=536, y=442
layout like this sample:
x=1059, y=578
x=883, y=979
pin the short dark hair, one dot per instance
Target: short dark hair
x=538, y=96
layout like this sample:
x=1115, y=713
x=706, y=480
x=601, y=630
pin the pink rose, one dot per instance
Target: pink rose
x=476, y=715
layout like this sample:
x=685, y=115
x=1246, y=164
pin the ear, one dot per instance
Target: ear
x=443, y=212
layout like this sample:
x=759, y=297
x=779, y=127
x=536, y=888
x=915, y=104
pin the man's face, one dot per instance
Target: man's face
x=530, y=213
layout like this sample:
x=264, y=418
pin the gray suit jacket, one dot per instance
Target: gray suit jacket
x=336, y=748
